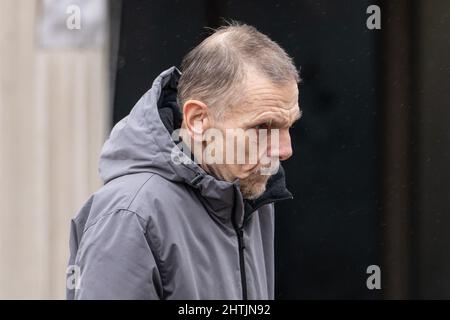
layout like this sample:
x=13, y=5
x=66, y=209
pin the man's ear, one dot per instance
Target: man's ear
x=196, y=118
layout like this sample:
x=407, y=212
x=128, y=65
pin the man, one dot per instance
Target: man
x=161, y=228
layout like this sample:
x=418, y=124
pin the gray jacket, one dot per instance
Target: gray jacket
x=161, y=230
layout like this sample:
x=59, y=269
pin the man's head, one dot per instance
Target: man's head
x=239, y=79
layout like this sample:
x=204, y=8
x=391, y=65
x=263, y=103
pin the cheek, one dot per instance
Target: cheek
x=242, y=151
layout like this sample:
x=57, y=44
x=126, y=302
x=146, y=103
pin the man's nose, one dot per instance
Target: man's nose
x=284, y=149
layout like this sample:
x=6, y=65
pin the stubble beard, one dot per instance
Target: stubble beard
x=254, y=185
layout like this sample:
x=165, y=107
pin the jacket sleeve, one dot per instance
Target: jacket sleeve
x=115, y=260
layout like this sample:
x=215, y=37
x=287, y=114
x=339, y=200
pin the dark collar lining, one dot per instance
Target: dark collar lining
x=275, y=191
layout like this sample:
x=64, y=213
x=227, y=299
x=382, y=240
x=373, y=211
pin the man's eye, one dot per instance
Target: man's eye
x=264, y=125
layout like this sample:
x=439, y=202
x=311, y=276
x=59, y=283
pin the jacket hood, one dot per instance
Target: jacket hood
x=142, y=142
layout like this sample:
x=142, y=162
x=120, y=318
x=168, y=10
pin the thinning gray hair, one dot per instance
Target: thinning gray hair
x=214, y=70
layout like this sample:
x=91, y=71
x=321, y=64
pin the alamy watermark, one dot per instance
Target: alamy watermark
x=374, y=20
x=73, y=273
x=231, y=146
x=374, y=280
x=73, y=21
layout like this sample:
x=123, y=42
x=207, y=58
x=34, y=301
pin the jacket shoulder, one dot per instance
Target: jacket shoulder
x=159, y=195
x=116, y=195
x=147, y=195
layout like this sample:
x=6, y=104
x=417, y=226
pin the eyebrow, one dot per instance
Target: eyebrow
x=264, y=119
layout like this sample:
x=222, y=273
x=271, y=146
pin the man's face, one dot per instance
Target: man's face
x=265, y=108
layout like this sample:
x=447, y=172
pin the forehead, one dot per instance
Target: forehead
x=258, y=94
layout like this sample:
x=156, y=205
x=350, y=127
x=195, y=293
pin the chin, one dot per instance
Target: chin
x=253, y=190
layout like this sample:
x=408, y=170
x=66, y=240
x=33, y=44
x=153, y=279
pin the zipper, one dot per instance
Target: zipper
x=240, y=236
x=241, y=245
